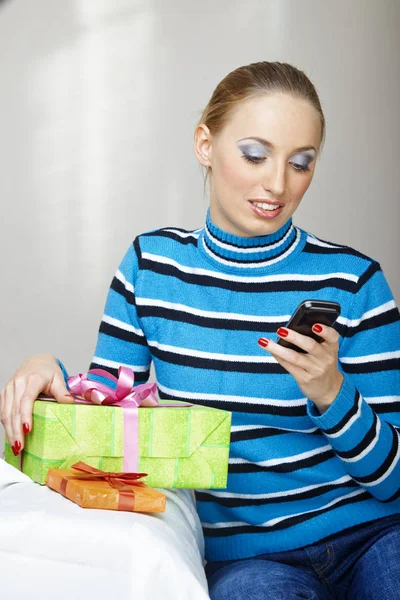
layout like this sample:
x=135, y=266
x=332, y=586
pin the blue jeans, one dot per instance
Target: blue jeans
x=361, y=563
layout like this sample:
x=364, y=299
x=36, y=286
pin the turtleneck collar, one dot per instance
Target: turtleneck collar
x=237, y=252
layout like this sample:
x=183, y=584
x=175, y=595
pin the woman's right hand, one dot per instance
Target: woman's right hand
x=39, y=374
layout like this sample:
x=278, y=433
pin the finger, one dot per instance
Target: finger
x=28, y=390
x=304, y=342
x=18, y=387
x=296, y=359
x=297, y=370
x=328, y=334
x=6, y=419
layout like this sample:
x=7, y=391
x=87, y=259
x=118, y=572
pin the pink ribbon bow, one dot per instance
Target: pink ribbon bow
x=125, y=394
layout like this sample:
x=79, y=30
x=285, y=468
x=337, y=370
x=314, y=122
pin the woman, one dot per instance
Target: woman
x=312, y=504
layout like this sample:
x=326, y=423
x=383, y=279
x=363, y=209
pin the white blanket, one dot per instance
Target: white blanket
x=53, y=548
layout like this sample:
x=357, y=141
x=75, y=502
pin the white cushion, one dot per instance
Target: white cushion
x=53, y=548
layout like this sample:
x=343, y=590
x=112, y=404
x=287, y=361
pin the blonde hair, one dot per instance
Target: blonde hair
x=254, y=80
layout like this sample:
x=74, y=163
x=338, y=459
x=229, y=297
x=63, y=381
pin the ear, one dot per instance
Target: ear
x=203, y=145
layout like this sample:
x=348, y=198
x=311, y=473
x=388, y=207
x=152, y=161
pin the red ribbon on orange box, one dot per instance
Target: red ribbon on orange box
x=120, y=481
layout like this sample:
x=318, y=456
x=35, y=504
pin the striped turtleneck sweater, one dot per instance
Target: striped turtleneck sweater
x=195, y=303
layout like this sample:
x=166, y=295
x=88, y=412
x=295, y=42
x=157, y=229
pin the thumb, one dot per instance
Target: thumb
x=60, y=392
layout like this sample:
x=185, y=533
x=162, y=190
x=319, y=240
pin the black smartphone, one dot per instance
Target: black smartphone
x=306, y=315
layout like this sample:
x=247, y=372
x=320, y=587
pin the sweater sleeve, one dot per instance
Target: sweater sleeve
x=362, y=424
x=121, y=340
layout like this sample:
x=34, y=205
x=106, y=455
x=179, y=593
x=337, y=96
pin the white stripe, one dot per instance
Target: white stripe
x=211, y=355
x=252, y=249
x=368, y=449
x=313, y=240
x=352, y=360
x=257, y=427
x=121, y=325
x=382, y=399
x=225, y=398
x=271, y=522
x=269, y=261
x=349, y=423
x=292, y=492
x=390, y=469
x=265, y=279
x=272, y=462
x=184, y=234
x=378, y=310
x=123, y=280
x=209, y=313
x=111, y=363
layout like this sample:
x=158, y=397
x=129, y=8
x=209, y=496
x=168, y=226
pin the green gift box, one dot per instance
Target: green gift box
x=179, y=447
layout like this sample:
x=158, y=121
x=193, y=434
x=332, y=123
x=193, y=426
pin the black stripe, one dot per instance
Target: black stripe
x=284, y=524
x=373, y=268
x=245, y=261
x=210, y=322
x=256, y=243
x=198, y=362
x=122, y=334
x=385, y=465
x=140, y=377
x=350, y=413
x=136, y=246
x=264, y=432
x=311, y=248
x=288, y=497
x=295, y=465
x=386, y=318
x=395, y=496
x=367, y=439
x=237, y=407
x=246, y=286
x=119, y=287
x=373, y=366
x=173, y=236
x=385, y=407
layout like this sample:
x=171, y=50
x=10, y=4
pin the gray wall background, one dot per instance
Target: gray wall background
x=98, y=104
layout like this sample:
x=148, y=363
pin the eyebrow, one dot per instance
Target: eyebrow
x=272, y=147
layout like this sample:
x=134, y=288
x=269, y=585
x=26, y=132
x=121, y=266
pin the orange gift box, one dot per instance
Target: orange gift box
x=93, y=488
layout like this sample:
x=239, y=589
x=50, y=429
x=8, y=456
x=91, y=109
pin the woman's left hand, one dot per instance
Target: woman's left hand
x=316, y=372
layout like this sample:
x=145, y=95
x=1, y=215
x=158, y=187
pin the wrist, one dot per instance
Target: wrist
x=324, y=402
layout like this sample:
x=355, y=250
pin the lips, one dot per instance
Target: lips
x=267, y=201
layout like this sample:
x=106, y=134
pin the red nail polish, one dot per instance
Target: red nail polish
x=282, y=332
x=263, y=342
x=17, y=446
x=14, y=450
x=317, y=328
x=25, y=428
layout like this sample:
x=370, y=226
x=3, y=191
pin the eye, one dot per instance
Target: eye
x=253, y=159
x=298, y=167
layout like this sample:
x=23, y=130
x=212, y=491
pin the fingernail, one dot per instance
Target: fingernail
x=17, y=446
x=25, y=428
x=14, y=450
x=282, y=332
x=317, y=328
x=263, y=342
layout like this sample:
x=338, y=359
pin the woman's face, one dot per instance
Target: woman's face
x=248, y=175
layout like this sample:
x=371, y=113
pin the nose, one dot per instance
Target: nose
x=275, y=178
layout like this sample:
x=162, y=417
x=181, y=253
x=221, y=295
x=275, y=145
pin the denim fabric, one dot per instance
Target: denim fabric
x=360, y=563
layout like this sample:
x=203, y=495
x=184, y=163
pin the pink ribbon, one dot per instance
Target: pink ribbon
x=125, y=395
x=87, y=391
